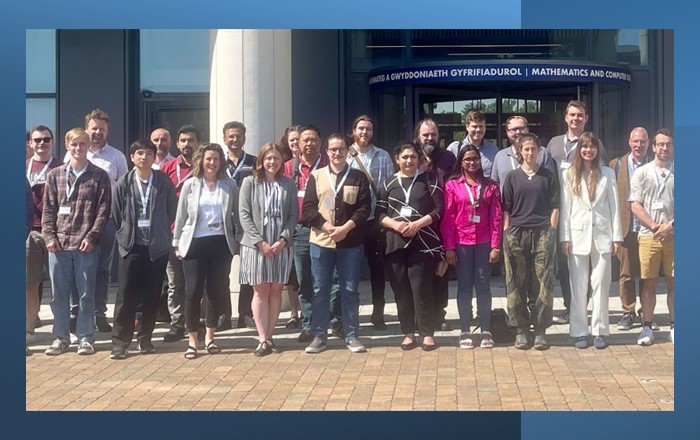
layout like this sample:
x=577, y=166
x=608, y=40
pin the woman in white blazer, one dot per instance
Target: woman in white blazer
x=590, y=234
x=269, y=211
x=205, y=239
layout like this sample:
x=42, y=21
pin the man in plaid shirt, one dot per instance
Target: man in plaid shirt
x=77, y=205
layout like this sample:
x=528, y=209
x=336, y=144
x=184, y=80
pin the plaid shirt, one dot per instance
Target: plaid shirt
x=90, y=207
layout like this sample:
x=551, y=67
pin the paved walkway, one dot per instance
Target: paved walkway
x=622, y=377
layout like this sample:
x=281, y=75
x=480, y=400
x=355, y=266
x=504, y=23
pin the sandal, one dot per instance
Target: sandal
x=486, y=340
x=212, y=348
x=191, y=353
x=465, y=341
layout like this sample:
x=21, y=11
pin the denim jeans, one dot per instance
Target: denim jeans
x=104, y=269
x=347, y=263
x=474, y=272
x=302, y=265
x=73, y=270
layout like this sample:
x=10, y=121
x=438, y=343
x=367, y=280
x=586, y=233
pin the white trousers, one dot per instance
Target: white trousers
x=595, y=268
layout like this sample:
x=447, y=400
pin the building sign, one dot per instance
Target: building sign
x=500, y=72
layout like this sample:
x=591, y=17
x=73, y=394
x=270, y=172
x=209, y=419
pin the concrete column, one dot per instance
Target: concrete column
x=251, y=82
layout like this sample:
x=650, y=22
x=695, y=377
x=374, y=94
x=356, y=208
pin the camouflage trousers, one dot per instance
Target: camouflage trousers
x=529, y=255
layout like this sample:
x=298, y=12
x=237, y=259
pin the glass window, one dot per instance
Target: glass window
x=41, y=111
x=175, y=60
x=633, y=47
x=41, y=61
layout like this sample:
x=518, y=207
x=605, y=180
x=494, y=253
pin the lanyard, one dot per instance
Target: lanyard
x=574, y=144
x=144, y=198
x=475, y=204
x=407, y=192
x=335, y=187
x=235, y=172
x=187, y=176
x=212, y=199
x=318, y=160
x=513, y=161
x=42, y=173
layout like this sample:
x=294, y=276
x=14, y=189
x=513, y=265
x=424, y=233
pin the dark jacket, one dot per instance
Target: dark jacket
x=162, y=204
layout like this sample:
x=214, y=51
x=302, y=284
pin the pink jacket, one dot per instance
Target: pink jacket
x=456, y=227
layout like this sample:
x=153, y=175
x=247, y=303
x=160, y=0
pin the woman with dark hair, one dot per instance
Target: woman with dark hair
x=591, y=231
x=471, y=231
x=268, y=209
x=205, y=238
x=530, y=217
x=409, y=206
x=289, y=143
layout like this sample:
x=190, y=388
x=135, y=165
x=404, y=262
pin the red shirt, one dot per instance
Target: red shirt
x=301, y=175
x=178, y=171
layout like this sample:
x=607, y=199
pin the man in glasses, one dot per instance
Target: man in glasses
x=37, y=166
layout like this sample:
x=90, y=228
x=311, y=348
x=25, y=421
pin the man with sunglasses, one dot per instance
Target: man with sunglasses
x=37, y=167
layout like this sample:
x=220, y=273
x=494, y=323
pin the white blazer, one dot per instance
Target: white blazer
x=586, y=222
x=188, y=207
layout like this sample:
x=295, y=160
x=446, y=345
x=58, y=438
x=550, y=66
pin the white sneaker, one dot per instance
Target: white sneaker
x=646, y=337
x=85, y=347
x=74, y=339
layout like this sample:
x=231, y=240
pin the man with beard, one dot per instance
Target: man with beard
x=377, y=164
x=239, y=165
x=442, y=163
x=179, y=170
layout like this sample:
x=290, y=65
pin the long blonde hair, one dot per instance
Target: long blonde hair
x=586, y=139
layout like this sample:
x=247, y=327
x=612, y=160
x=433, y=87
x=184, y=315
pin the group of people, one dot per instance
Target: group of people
x=299, y=216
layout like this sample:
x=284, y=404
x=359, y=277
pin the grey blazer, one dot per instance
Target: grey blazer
x=252, y=210
x=188, y=207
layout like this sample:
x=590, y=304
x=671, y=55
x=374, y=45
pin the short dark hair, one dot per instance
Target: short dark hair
x=234, y=124
x=405, y=145
x=422, y=122
x=336, y=136
x=39, y=128
x=189, y=128
x=311, y=127
x=142, y=144
x=663, y=131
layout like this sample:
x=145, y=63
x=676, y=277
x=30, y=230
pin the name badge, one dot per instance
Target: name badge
x=64, y=210
x=328, y=202
x=565, y=164
x=657, y=206
x=215, y=226
x=406, y=211
x=301, y=193
x=475, y=218
x=144, y=223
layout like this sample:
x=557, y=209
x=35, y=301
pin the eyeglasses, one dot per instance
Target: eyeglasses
x=40, y=140
x=664, y=144
x=516, y=129
x=471, y=159
x=337, y=150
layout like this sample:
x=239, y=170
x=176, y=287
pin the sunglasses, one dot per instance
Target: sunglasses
x=40, y=140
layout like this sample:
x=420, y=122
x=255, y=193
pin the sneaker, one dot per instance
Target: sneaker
x=57, y=347
x=85, y=347
x=541, y=342
x=305, y=336
x=521, y=340
x=338, y=333
x=646, y=337
x=102, y=325
x=174, y=334
x=74, y=339
x=561, y=319
x=316, y=346
x=626, y=322
x=599, y=343
x=146, y=347
x=581, y=342
x=118, y=353
x=355, y=346
x=30, y=338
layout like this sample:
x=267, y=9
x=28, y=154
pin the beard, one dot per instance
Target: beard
x=428, y=149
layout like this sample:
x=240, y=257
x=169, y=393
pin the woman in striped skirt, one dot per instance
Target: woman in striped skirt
x=268, y=211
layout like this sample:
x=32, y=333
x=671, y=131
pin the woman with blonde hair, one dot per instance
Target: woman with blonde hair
x=269, y=210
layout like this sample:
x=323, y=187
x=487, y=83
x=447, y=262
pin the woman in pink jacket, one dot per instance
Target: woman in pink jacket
x=471, y=233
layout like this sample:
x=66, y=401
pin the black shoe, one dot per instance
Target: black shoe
x=146, y=347
x=224, y=323
x=118, y=353
x=338, y=333
x=102, y=325
x=174, y=334
x=377, y=320
x=263, y=349
x=541, y=342
x=273, y=347
x=305, y=336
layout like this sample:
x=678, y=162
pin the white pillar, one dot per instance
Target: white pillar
x=251, y=82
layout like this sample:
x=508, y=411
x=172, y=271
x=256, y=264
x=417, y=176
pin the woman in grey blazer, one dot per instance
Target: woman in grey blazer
x=205, y=239
x=268, y=211
x=590, y=233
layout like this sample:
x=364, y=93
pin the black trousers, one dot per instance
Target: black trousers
x=441, y=295
x=208, y=261
x=411, y=275
x=245, y=298
x=140, y=279
x=374, y=251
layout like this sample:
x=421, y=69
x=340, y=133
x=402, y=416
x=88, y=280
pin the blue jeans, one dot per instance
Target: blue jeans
x=347, y=263
x=302, y=265
x=104, y=270
x=474, y=272
x=73, y=270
